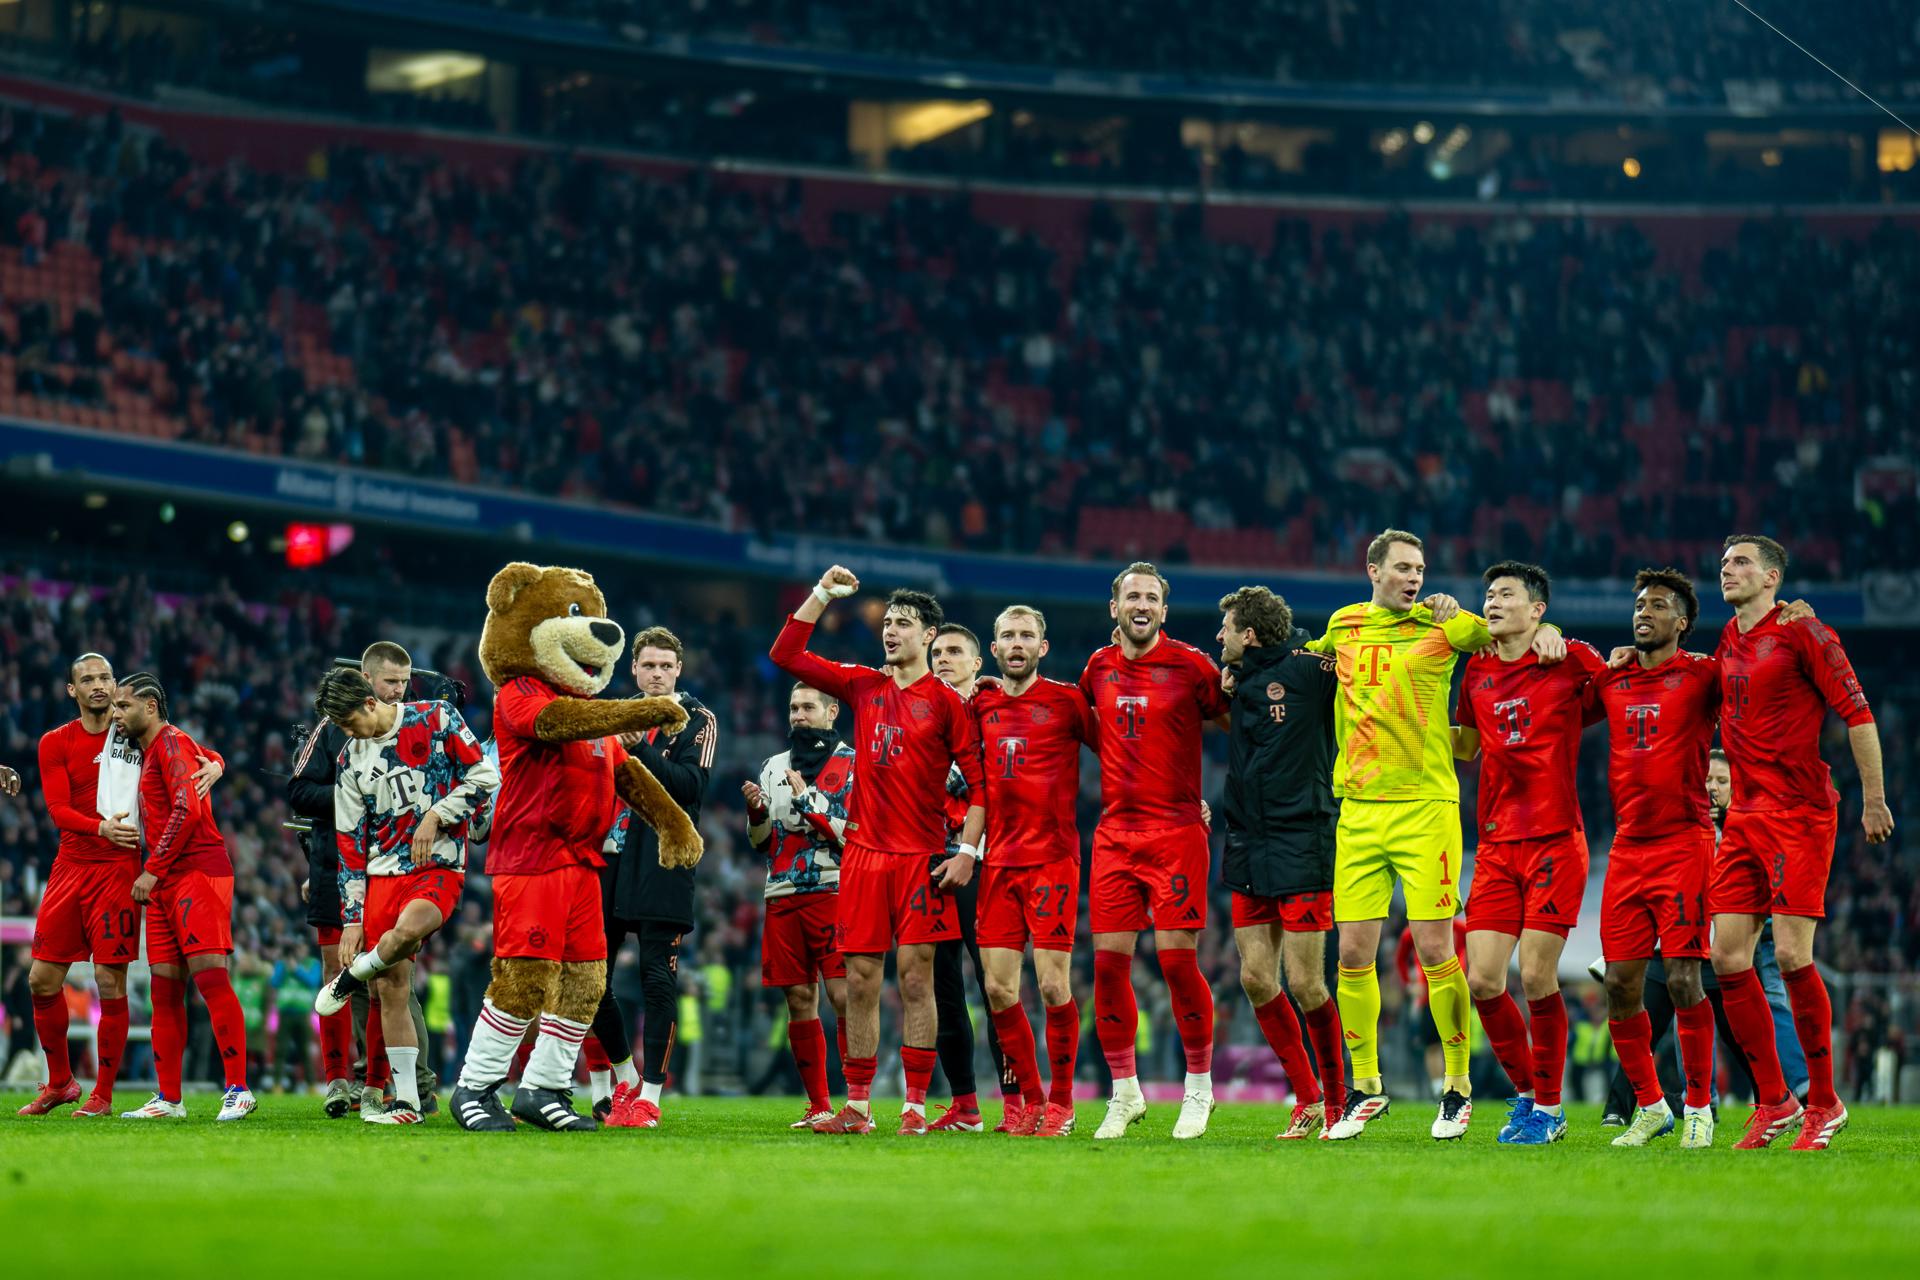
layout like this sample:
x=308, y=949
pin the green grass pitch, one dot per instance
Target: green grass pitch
x=726, y=1189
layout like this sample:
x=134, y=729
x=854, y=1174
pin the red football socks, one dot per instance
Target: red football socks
x=1813, y=1022
x=596, y=1056
x=809, y=1042
x=113, y=1045
x=1633, y=1042
x=1696, y=1052
x=919, y=1067
x=1323, y=1029
x=379, y=1073
x=1549, y=1028
x=229, y=1023
x=1282, y=1030
x=1192, y=1006
x=1507, y=1033
x=169, y=1034
x=860, y=1077
x=336, y=1044
x=1063, y=1051
x=1016, y=1041
x=1116, y=1017
x=50, y=1020
x=1745, y=1002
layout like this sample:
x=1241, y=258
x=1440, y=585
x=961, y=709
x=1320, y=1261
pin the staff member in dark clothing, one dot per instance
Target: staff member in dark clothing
x=389, y=668
x=642, y=899
x=1279, y=820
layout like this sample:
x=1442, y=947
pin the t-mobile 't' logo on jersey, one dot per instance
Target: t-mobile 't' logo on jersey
x=1131, y=715
x=1373, y=663
x=886, y=744
x=1733, y=702
x=1515, y=718
x=1643, y=726
x=1013, y=754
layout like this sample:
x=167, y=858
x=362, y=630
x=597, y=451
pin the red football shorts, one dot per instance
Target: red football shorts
x=1293, y=912
x=797, y=946
x=1656, y=891
x=889, y=898
x=88, y=912
x=1041, y=902
x=1142, y=877
x=1528, y=884
x=550, y=915
x=1774, y=863
x=329, y=934
x=388, y=896
x=191, y=914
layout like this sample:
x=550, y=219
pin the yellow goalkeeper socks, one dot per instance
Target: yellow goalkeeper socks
x=1451, y=1002
x=1359, y=997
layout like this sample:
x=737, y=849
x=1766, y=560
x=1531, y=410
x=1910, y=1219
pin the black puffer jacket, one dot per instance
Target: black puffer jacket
x=1279, y=807
x=634, y=886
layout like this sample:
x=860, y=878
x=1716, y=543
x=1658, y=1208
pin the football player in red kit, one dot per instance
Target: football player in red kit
x=1150, y=695
x=1778, y=680
x=909, y=728
x=186, y=884
x=1523, y=719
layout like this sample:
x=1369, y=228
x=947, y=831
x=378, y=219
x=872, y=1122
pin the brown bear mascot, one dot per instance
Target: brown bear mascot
x=549, y=648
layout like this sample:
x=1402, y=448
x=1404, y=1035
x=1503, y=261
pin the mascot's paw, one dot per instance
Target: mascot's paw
x=664, y=714
x=680, y=844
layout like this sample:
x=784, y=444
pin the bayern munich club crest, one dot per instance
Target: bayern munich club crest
x=1674, y=681
x=920, y=710
x=1766, y=647
x=1161, y=675
x=1276, y=691
x=1042, y=715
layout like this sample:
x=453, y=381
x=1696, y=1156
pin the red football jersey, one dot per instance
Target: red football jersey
x=1031, y=746
x=1660, y=728
x=1529, y=718
x=1148, y=713
x=554, y=797
x=1776, y=684
x=907, y=740
x=175, y=818
x=70, y=784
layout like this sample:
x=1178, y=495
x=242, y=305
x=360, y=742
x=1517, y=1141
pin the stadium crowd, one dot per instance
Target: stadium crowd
x=242, y=673
x=569, y=328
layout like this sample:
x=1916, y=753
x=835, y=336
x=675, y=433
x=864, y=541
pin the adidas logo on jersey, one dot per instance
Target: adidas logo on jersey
x=1445, y=903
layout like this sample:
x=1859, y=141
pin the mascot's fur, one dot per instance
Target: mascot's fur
x=552, y=623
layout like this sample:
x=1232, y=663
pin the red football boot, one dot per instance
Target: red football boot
x=1011, y=1119
x=1031, y=1119
x=913, y=1124
x=642, y=1114
x=1819, y=1126
x=1057, y=1123
x=93, y=1108
x=1769, y=1122
x=847, y=1121
x=959, y=1120
x=51, y=1096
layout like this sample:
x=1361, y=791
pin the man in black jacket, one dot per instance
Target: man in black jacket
x=651, y=903
x=1279, y=817
x=389, y=667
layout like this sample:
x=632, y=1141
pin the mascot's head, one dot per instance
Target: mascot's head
x=552, y=623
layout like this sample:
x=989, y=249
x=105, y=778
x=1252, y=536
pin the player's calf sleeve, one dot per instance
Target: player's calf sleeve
x=1507, y=1033
x=1116, y=1015
x=50, y=1021
x=336, y=1044
x=113, y=1044
x=229, y=1023
x=1358, y=994
x=496, y=1038
x=1192, y=1006
x=1323, y=1029
x=1696, y=1051
x=1813, y=1022
x=918, y=1063
x=169, y=1033
x=1745, y=1003
x=809, y=1043
x=555, y=1051
x=1450, y=1001
x=1023, y=1055
x=1063, y=1051
x=1282, y=1030
x=1549, y=1026
x=1633, y=1043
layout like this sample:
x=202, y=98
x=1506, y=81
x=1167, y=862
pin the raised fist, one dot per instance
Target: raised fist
x=839, y=582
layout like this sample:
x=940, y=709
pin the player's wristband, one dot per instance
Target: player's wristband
x=972, y=851
x=820, y=594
